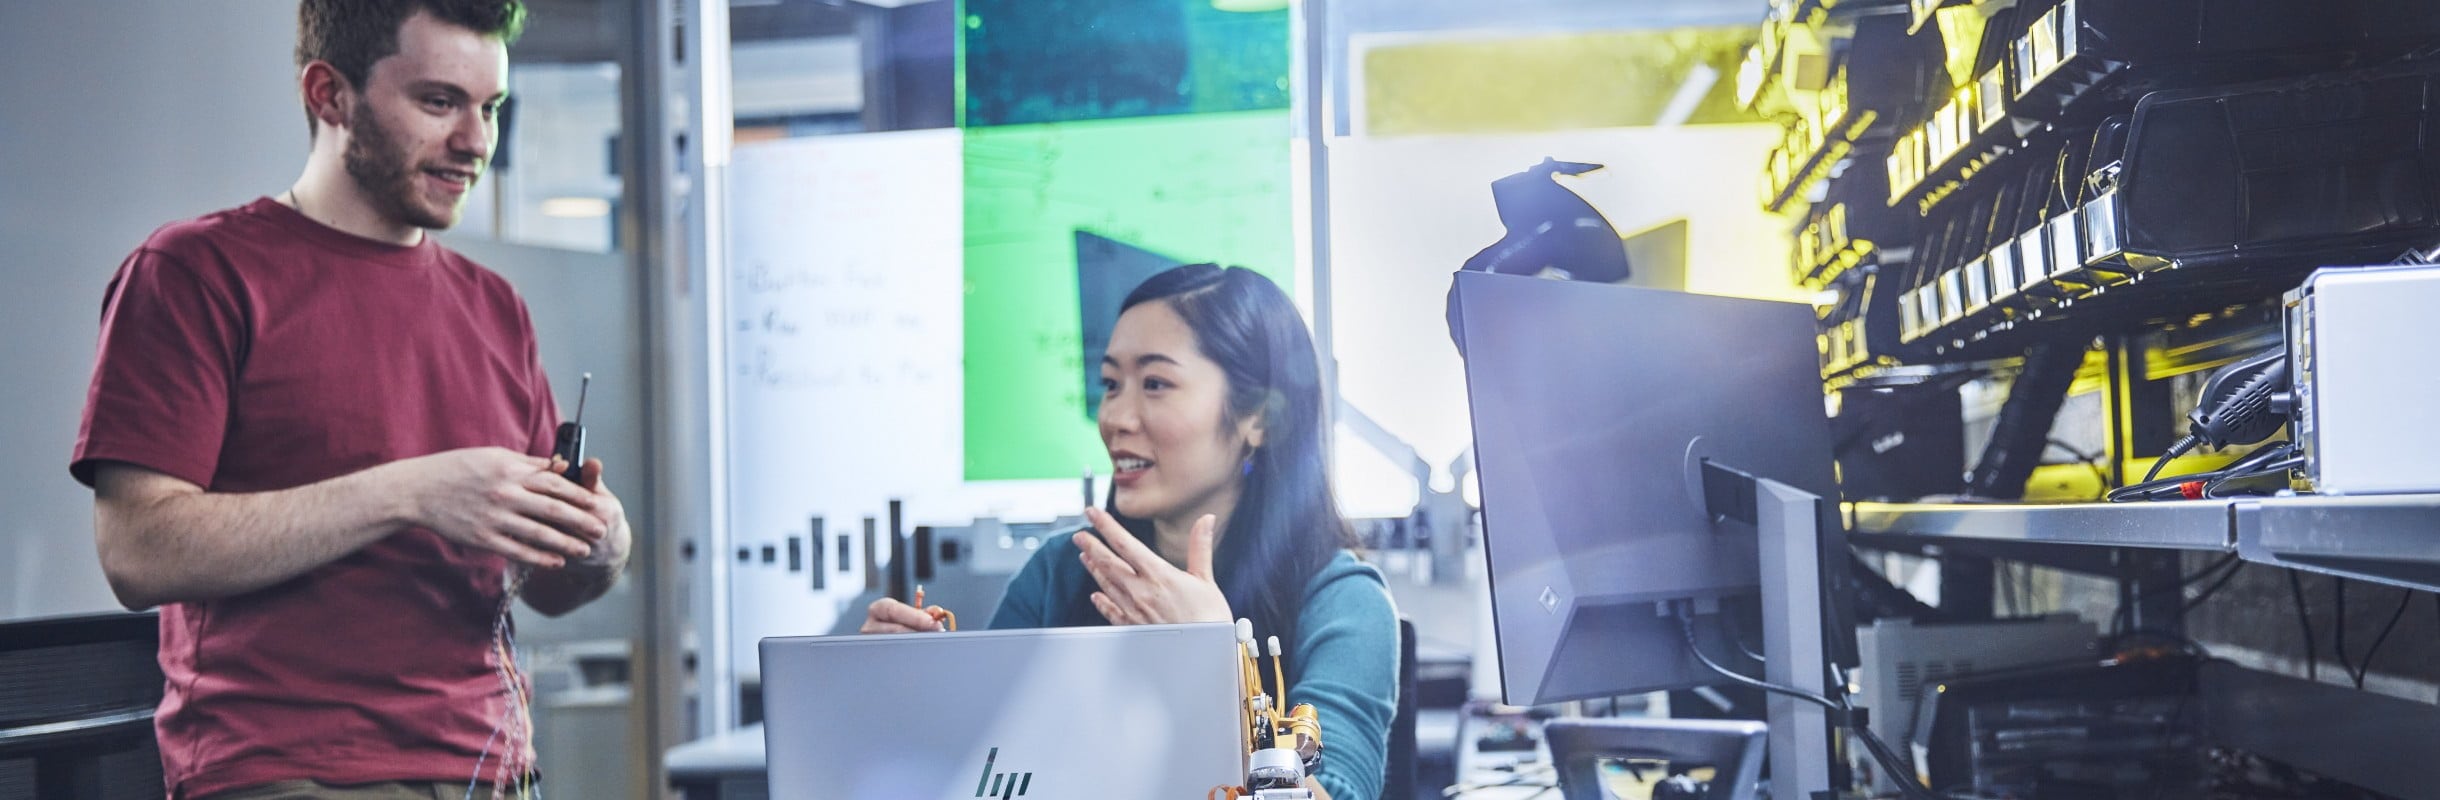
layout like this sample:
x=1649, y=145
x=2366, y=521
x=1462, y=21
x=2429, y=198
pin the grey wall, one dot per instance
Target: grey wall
x=115, y=117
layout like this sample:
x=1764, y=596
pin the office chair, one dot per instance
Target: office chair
x=1398, y=783
x=76, y=719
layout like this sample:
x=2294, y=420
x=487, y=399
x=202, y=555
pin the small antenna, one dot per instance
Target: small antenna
x=581, y=388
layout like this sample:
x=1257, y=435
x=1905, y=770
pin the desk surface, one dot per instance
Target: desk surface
x=737, y=752
x=1498, y=775
x=1521, y=774
x=1502, y=775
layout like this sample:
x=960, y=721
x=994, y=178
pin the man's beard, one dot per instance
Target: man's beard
x=384, y=173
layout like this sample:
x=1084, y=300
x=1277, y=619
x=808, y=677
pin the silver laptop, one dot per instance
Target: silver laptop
x=1150, y=711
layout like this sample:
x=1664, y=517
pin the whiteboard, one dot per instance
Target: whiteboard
x=843, y=337
x=843, y=351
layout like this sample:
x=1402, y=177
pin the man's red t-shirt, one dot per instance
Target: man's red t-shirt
x=254, y=350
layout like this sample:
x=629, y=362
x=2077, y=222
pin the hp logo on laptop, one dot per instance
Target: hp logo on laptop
x=1004, y=785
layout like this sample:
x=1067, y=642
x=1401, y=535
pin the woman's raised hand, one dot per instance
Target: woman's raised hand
x=1138, y=587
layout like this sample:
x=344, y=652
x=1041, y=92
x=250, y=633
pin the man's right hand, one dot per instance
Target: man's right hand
x=503, y=501
x=887, y=615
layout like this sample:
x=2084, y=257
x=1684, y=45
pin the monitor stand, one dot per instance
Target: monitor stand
x=1788, y=521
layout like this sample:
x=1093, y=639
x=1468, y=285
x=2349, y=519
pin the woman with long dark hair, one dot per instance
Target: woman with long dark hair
x=1221, y=508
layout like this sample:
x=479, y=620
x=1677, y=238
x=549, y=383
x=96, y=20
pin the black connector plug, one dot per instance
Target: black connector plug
x=2244, y=402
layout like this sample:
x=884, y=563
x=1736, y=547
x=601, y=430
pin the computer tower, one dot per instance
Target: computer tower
x=1902, y=660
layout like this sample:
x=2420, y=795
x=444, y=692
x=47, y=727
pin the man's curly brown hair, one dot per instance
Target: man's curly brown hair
x=351, y=35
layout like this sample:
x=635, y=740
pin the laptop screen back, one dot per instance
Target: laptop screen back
x=1053, y=714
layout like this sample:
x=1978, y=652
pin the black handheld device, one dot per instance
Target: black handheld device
x=2244, y=402
x=569, y=443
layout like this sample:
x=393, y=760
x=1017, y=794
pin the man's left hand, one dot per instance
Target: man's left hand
x=610, y=552
x=558, y=591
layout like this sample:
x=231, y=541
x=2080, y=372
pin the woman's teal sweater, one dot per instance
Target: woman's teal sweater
x=1344, y=661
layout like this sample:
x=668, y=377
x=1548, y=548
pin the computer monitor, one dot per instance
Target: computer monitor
x=1594, y=407
x=1658, y=254
x=1107, y=270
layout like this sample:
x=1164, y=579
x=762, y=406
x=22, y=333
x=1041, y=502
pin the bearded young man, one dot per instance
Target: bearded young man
x=318, y=440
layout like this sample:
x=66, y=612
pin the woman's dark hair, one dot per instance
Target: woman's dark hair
x=1286, y=526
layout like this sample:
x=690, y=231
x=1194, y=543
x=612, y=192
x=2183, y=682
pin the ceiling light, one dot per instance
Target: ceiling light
x=576, y=207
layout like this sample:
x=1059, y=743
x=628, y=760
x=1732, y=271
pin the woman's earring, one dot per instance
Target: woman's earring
x=1248, y=469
